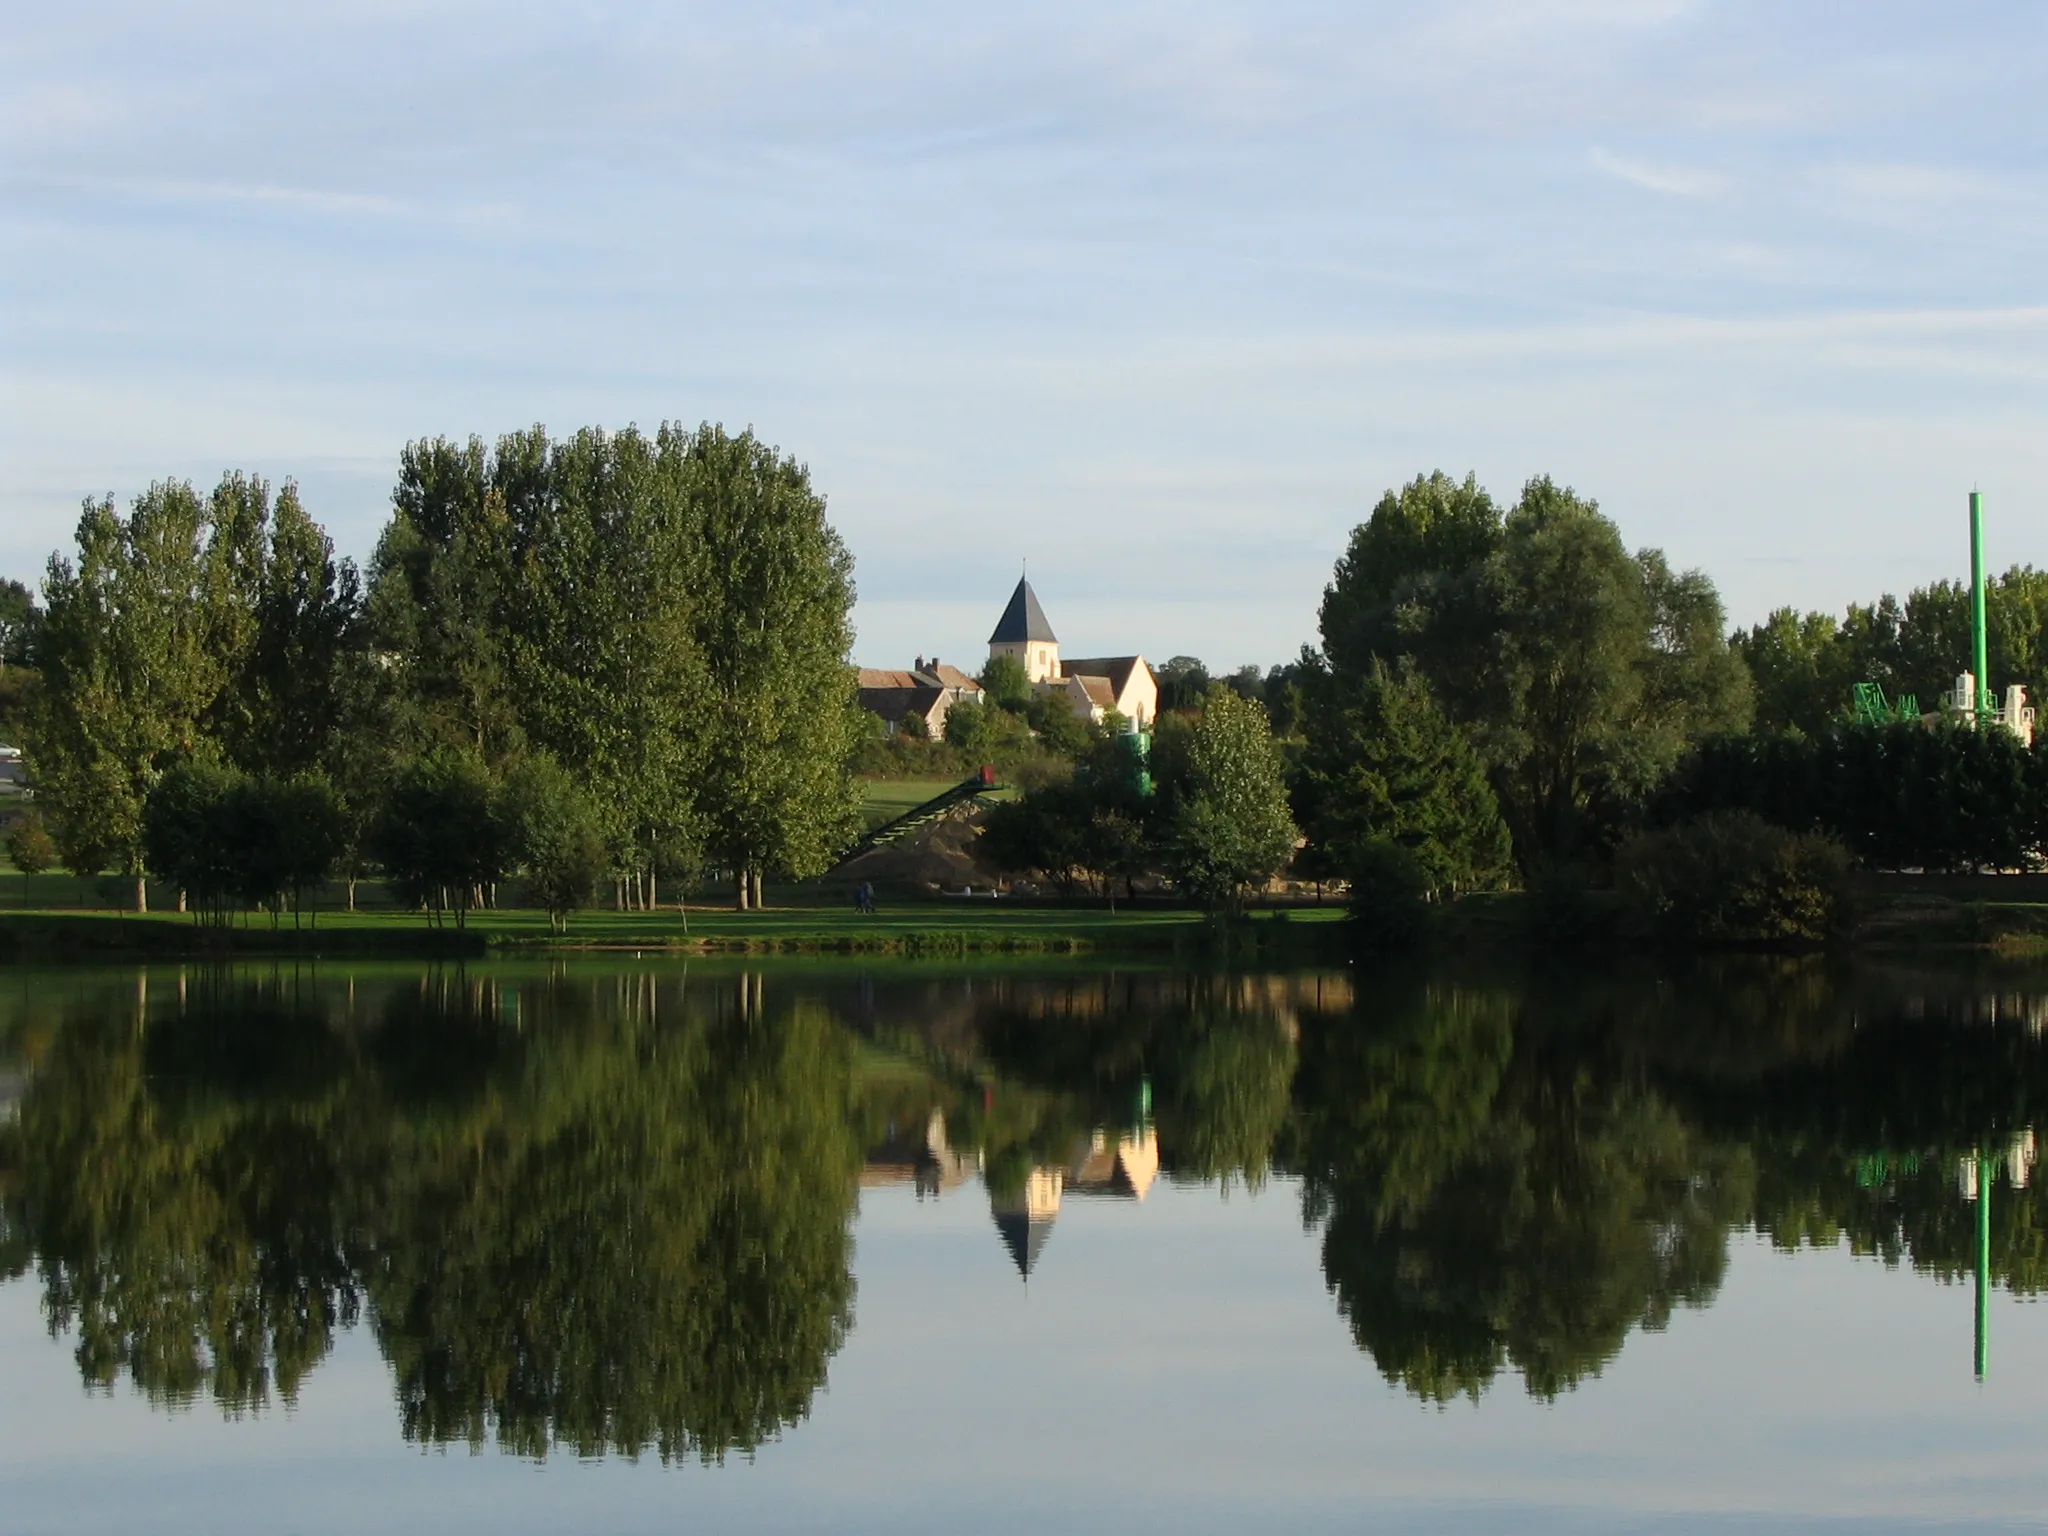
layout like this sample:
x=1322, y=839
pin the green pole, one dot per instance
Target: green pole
x=1980, y=645
x=1985, y=1168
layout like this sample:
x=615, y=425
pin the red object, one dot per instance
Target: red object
x=988, y=775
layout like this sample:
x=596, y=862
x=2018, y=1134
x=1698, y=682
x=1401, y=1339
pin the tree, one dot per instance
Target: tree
x=1800, y=670
x=128, y=672
x=19, y=620
x=1183, y=683
x=559, y=841
x=1408, y=563
x=1581, y=672
x=192, y=833
x=1058, y=728
x=1006, y=683
x=291, y=675
x=1045, y=831
x=441, y=836
x=439, y=585
x=774, y=629
x=1383, y=762
x=1230, y=826
x=30, y=850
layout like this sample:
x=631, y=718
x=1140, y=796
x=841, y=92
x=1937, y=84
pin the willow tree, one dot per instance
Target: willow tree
x=1580, y=671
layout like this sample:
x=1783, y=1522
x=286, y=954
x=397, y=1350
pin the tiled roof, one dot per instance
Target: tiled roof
x=950, y=676
x=882, y=677
x=1023, y=619
x=1098, y=690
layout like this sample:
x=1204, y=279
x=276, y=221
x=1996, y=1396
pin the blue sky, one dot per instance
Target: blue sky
x=1158, y=297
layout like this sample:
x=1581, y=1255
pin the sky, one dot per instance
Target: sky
x=1156, y=298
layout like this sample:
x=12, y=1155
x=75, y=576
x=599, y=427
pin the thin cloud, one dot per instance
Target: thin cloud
x=1666, y=180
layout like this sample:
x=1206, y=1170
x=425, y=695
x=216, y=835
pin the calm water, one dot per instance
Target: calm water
x=645, y=1247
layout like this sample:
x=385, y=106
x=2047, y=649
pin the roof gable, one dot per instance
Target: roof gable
x=1023, y=619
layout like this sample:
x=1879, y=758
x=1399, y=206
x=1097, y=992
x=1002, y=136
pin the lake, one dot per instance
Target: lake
x=613, y=1244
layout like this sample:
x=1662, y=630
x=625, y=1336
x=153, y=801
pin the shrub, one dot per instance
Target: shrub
x=1389, y=894
x=1730, y=877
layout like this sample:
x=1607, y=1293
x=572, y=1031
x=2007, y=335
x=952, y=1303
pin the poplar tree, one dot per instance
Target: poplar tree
x=129, y=670
x=773, y=626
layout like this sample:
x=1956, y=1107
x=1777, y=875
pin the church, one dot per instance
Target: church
x=1094, y=686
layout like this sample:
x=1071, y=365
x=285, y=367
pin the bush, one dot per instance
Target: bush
x=1389, y=894
x=30, y=847
x=1730, y=877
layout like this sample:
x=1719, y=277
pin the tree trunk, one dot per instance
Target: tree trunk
x=653, y=891
x=745, y=889
x=142, y=893
x=351, y=893
x=760, y=901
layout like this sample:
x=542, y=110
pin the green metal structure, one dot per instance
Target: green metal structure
x=1872, y=708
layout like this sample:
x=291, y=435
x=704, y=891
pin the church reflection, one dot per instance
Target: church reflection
x=1111, y=1165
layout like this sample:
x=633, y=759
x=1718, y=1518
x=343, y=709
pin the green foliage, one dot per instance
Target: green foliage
x=1390, y=890
x=443, y=834
x=211, y=1188
x=1806, y=664
x=128, y=671
x=557, y=837
x=1229, y=825
x=1581, y=672
x=1383, y=763
x=1730, y=877
x=1402, y=570
x=1487, y=1203
x=29, y=846
x=1183, y=684
x=221, y=835
x=1006, y=683
x=19, y=620
x=1224, y=1096
x=1046, y=832
x=192, y=835
x=1896, y=796
x=1059, y=730
x=776, y=788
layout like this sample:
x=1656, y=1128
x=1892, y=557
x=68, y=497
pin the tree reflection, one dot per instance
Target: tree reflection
x=580, y=1213
x=611, y=1212
x=642, y=1241
x=1487, y=1201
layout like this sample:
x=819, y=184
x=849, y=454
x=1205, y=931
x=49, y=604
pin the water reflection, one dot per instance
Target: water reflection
x=612, y=1212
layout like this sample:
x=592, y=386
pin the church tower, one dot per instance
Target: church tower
x=1024, y=636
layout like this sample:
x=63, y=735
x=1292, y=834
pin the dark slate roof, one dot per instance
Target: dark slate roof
x=1023, y=619
x=1117, y=669
x=1024, y=1238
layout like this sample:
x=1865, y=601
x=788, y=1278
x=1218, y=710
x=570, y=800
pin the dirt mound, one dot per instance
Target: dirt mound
x=939, y=857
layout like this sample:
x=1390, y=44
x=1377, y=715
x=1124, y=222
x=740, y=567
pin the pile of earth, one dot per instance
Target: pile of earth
x=938, y=857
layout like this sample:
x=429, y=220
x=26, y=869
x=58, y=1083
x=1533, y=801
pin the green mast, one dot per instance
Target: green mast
x=1980, y=647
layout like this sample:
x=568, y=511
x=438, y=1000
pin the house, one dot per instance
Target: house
x=928, y=690
x=1093, y=687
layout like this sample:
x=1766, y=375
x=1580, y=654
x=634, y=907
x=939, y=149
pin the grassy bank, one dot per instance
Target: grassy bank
x=912, y=929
